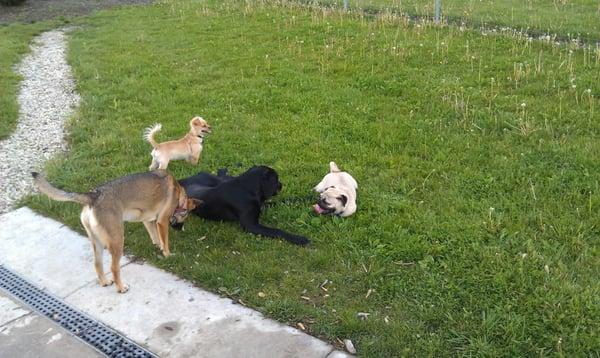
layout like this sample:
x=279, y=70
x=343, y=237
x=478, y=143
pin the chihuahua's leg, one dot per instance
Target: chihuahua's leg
x=163, y=164
x=154, y=164
x=194, y=159
x=153, y=232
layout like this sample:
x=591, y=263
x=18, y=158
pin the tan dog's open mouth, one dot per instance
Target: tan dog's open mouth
x=321, y=211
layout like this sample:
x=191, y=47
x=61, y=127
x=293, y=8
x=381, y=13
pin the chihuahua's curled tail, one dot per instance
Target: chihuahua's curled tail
x=61, y=195
x=149, y=134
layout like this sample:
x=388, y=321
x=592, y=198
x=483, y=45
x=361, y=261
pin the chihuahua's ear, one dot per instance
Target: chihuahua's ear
x=193, y=203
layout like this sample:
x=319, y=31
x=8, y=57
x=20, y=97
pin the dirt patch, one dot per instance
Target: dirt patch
x=38, y=10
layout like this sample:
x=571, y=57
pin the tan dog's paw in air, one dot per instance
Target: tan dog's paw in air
x=187, y=148
x=337, y=193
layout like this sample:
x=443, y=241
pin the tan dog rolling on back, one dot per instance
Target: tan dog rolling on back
x=337, y=193
x=154, y=198
x=187, y=148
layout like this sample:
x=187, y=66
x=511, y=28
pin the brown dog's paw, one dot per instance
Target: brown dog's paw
x=106, y=282
x=123, y=289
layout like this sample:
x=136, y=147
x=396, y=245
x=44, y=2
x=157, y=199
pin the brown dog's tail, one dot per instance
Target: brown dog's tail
x=333, y=168
x=57, y=194
x=149, y=134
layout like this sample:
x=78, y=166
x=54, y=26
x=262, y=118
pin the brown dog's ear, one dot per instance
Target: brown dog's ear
x=182, y=202
x=193, y=203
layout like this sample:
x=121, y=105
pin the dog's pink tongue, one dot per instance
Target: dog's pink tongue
x=318, y=209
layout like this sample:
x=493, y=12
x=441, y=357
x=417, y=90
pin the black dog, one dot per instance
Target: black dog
x=226, y=198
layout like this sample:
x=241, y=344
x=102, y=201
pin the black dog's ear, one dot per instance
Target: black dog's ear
x=344, y=199
x=269, y=182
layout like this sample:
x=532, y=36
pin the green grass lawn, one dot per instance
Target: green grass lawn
x=14, y=43
x=566, y=18
x=476, y=157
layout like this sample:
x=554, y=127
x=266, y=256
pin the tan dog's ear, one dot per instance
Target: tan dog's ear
x=193, y=203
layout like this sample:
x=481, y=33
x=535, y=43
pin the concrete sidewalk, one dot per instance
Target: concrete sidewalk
x=26, y=334
x=161, y=312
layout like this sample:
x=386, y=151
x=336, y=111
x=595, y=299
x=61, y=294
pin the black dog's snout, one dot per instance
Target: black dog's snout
x=174, y=224
x=177, y=226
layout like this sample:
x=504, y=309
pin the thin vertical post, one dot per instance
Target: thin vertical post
x=346, y=5
x=438, y=10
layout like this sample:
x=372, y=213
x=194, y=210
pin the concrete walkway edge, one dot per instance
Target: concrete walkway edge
x=169, y=316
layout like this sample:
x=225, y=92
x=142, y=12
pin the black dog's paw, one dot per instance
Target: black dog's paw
x=299, y=240
x=223, y=172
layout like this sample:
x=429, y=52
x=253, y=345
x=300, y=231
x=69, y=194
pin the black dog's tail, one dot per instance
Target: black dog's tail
x=259, y=229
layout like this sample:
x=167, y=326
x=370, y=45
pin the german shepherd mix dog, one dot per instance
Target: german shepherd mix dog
x=154, y=198
x=226, y=198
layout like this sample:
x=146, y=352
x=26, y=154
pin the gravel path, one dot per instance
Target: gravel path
x=47, y=98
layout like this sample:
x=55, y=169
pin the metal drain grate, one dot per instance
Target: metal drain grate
x=87, y=329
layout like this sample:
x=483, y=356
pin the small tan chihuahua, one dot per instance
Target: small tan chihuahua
x=187, y=148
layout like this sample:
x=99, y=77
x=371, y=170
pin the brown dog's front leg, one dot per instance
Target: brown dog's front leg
x=153, y=232
x=163, y=235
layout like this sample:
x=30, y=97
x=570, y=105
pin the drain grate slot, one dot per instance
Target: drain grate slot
x=94, y=333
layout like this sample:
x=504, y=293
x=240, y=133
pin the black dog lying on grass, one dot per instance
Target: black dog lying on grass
x=227, y=198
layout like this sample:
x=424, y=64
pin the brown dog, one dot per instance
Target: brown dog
x=187, y=148
x=154, y=198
